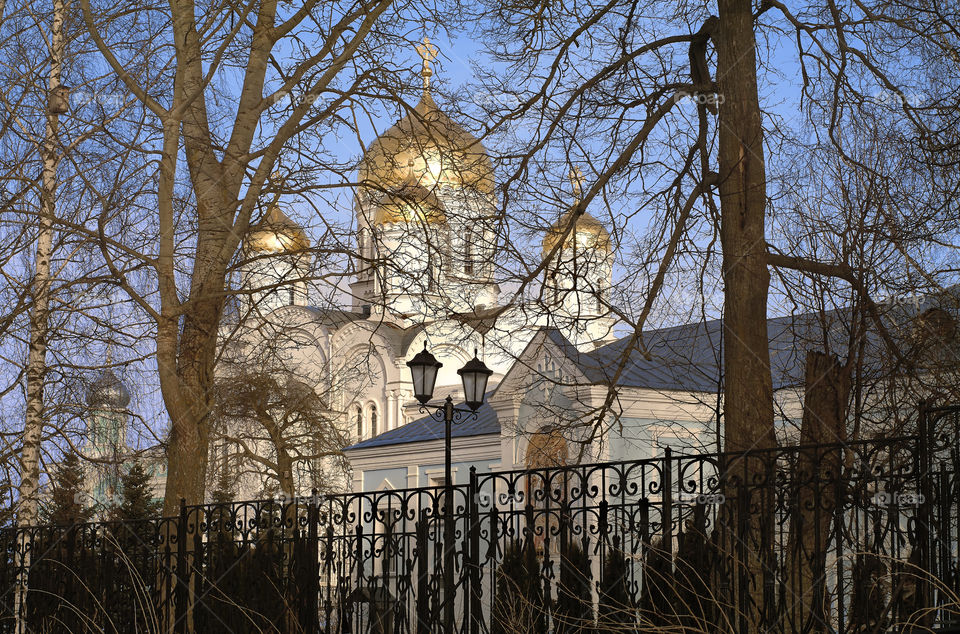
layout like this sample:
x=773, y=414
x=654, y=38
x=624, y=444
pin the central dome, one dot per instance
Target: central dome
x=108, y=391
x=411, y=201
x=429, y=147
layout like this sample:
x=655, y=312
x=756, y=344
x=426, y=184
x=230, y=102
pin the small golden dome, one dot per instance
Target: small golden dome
x=589, y=233
x=440, y=150
x=408, y=202
x=276, y=233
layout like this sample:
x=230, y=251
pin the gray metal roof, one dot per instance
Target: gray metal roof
x=427, y=428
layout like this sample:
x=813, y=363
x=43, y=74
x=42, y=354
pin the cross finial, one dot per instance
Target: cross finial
x=576, y=179
x=428, y=52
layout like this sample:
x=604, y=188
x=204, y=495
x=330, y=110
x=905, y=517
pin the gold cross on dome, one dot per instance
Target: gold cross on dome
x=429, y=53
x=576, y=179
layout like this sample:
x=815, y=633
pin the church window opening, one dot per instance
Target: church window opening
x=373, y=420
x=431, y=272
x=468, y=263
x=358, y=417
x=547, y=484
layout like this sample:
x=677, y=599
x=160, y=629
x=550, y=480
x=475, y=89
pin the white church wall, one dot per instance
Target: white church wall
x=375, y=479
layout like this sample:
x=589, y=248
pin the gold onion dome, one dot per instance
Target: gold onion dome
x=427, y=147
x=589, y=233
x=276, y=233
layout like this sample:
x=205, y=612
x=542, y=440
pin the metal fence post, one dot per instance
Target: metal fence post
x=666, y=515
x=423, y=571
x=309, y=583
x=472, y=555
x=741, y=536
x=182, y=580
x=23, y=551
x=925, y=516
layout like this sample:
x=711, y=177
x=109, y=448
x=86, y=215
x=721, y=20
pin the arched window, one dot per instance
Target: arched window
x=468, y=253
x=600, y=294
x=373, y=420
x=358, y=418
x=431, y=269
x=547, y=448
x=546, y=485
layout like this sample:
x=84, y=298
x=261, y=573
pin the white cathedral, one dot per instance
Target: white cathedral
x=306, y=386
x=303, y=387
x=426, y=261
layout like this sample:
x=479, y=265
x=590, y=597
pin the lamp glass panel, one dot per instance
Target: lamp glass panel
x=429, y=381
x=418, y=372
x=469, y=387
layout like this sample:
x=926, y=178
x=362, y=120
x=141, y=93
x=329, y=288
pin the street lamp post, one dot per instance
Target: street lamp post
x=474, y=375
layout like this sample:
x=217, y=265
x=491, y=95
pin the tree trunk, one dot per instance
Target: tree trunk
x=748, y=390
x=748, y=406
x=825, y=402
x=189, y=401
x=40, y=315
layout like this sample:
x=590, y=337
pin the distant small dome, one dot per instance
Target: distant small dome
x=276, y=233
x=108, y=391
x=589, y=233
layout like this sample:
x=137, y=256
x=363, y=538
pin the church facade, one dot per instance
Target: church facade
x=425, y=262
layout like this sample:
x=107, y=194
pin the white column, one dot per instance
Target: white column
x=392, y=410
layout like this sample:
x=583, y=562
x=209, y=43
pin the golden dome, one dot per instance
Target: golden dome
x=408, y=202
x=440, y=150
x=276, y=233
x=589, y=233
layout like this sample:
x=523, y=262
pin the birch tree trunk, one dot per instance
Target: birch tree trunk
x=40, y=314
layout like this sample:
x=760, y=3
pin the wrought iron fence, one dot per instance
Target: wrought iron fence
x=860, y=537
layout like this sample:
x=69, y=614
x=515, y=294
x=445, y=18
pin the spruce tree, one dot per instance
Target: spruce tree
x=573, y=609
x=658, y=598
x=139, y=502
x=223, y=491
x=614, y=612
x=6, y=503
x=518, y=602
x=66, y=499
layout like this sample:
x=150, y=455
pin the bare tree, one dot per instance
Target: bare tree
x=278, y=430
x=303, y=69
x=39, y=319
